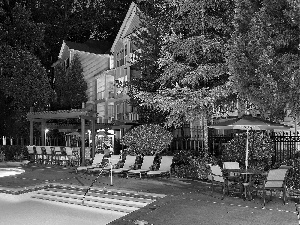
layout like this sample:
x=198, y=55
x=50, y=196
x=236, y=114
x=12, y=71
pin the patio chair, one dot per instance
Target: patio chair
x=31, y=155
x=47, y=154
x=97, y=162
x=232, y=166
x=129, y=162
x=39, y=155
x=164, y=168
x=2, y=156
x=275, y=180
x=146, y=166
x=75, y=157
x=218, y=178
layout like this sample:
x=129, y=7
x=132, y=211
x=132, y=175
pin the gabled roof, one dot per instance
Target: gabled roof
x=125, y=25
x=90, y=46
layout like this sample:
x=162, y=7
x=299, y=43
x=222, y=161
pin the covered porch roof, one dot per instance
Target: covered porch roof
x=61, y=114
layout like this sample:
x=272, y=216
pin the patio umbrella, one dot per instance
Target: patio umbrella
x=247, y=123
x=104, y=133
x=77, y=134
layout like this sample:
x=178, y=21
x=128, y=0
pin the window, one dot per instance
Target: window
x=129, y=108
x=118, y=59
x=122, y=57
x=111, y=111
x=118, y=108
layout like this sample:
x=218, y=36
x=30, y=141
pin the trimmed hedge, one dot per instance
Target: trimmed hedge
x=14, y=152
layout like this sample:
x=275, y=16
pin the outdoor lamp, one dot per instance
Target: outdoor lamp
x=46, y=131
x=89, y=131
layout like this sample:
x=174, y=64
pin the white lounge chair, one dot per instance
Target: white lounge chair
x=97, y=162
x=129, y=162
x=164, y=168
x=113, y=160
x=147, y=163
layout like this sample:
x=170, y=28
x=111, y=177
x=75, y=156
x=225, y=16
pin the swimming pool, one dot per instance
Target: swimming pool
x=4, y=172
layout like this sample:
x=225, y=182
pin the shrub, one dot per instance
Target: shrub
x=148, y=139
x=192, y=164
x=293, y=175
x=260, y=148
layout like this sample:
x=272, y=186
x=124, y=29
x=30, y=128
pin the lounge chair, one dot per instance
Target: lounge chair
x=275, y=180
x=97, y=162
x=113, y=161
x=129, y=162
x=147, y=163
x=164, y=168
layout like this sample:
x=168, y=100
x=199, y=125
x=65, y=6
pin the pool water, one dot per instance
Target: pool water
x=36, y=213
x=4, y=172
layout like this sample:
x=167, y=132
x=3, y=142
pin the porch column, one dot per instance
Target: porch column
x=93, y=138
x=43, y=127
x=82, y=141
x=31, y=133
x=31, y=129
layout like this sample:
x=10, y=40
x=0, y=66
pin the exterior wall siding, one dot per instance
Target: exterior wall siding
x=123, y=50
x=92, y=65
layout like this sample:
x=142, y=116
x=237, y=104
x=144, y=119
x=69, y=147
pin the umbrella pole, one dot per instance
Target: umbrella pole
x=247, y=148
x=111, y=173
x=296, y=133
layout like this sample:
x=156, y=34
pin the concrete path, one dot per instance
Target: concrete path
x=187, y=202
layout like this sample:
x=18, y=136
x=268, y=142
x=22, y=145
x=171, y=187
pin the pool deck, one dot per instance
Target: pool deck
x=185, y=202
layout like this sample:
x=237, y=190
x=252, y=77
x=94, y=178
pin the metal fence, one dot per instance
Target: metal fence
x=36, y=141
x=285, y=143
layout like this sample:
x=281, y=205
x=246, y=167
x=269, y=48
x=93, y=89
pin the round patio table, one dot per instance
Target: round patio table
x=247, y=180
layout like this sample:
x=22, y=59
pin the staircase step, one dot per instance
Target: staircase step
x=110, y=199
x=78, y=202
x=122, y=195
x=121, y=198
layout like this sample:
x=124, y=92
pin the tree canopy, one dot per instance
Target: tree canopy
x=70, y=86
x=264, y=55
x=24, y=84
x=147, y=139
x=193, y=76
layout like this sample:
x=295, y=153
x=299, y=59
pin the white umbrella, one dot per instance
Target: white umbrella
x=77, y=134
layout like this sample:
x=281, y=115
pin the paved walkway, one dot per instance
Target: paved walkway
x=187, y=202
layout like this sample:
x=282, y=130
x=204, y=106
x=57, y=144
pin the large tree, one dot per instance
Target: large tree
x=18, y=30
x=70, y=86
x=264, y=55
x=193, y=75
x=24, y=84
x=146, y=41
x=24, y=81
